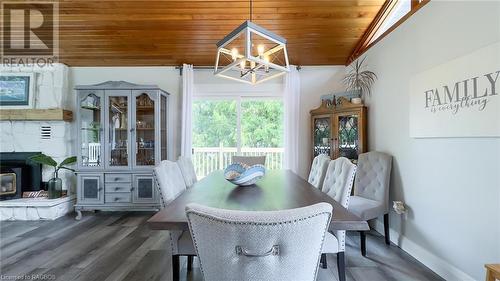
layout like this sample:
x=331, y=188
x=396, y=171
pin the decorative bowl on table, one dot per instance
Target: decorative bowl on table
x=244, y=175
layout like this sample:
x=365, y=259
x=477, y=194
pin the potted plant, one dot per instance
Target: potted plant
x=359, y=79
x=55, y=183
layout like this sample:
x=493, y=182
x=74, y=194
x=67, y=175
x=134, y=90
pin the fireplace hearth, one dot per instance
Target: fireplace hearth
x=27, y=176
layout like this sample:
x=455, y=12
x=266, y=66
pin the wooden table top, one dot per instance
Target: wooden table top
x=278, y=190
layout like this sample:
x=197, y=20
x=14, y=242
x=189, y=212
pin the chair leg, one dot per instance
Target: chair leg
x=323, y=261
x=362, y=237
x=190, y=263
x=175, y=267
x=341, y=265
x=386, y=229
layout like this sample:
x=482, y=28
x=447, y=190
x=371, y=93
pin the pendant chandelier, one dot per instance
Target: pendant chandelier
x=251, y=54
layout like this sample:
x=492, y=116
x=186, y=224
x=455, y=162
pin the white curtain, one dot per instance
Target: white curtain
x=187, y=102
x=291, y=97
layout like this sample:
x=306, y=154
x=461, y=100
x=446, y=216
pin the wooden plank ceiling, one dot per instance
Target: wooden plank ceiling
x=153, y=33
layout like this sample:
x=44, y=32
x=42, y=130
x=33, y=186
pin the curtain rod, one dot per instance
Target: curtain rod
x=194, y=67
x=298, y=67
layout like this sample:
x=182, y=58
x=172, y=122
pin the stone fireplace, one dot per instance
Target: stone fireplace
x=22, y=138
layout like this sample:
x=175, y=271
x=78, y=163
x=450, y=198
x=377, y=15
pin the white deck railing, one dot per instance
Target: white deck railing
x=209, y=159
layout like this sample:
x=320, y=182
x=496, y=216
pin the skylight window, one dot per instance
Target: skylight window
x=390, y=16
x=401, y=8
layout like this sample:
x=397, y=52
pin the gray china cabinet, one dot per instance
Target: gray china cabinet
x=122, y=135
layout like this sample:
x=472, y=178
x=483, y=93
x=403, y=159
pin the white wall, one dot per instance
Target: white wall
x=451, y=185
x=206, y=84
x=167, y=78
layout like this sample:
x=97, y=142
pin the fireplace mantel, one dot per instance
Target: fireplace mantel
x=54, y=114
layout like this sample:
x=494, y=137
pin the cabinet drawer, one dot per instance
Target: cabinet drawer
x=118, y=178
x=118, y=187
x=122, y=197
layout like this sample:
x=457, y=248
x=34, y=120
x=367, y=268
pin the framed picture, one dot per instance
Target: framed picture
x=16, y=90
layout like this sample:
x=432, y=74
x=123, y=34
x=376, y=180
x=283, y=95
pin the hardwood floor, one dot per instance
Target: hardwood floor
x=120, y=246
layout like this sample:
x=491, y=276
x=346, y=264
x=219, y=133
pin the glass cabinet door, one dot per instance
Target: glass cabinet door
x=90, y=124
x=322, y=135
x=347, y=135
x=118, y=130
x=163, y=127
x=144, y=129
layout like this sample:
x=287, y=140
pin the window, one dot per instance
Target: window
x=401, y=8
x=390, y=16
x=224, y=127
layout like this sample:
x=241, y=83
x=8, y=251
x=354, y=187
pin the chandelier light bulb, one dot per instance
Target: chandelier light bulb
x=260, y=50
x=266, y=66
x=243, y=64
x=234, y=53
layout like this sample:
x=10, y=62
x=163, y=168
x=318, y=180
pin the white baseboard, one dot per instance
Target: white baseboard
x=436, y=264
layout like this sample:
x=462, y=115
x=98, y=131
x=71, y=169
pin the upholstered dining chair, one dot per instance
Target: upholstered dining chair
x=265, y=245
x=338, y=183
x=318, y=170
x=170, y=184
x=187, y=170
x=249, y=160
x=371, y=191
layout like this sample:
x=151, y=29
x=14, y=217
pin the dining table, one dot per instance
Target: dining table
x=277, y=190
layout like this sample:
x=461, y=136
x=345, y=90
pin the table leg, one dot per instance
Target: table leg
x=362, y=237
x=190, y=263
x=175, y=267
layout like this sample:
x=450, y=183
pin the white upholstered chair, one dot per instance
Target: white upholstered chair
x=318, y=170
x=187, y=170
x=247, y=245
x=338, y=183
x=170, y=184
x=249, y=160
x=371, y=191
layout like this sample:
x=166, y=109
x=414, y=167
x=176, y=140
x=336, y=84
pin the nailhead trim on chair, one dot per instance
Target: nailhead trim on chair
x=256, y=223
x=163, y=203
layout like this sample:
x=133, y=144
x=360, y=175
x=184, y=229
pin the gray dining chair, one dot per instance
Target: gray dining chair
x=170, y=184
x=318, y=170
x=338, y=183
x=249, y=160
x=259, y=245
x=187, y=170
x=371, y=191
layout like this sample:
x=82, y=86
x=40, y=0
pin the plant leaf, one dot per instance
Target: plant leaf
x=68, y=161
x=43, y=159
x=358, y=79
x=66, y=168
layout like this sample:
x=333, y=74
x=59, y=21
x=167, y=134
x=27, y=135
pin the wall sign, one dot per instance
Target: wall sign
x=460, y=98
